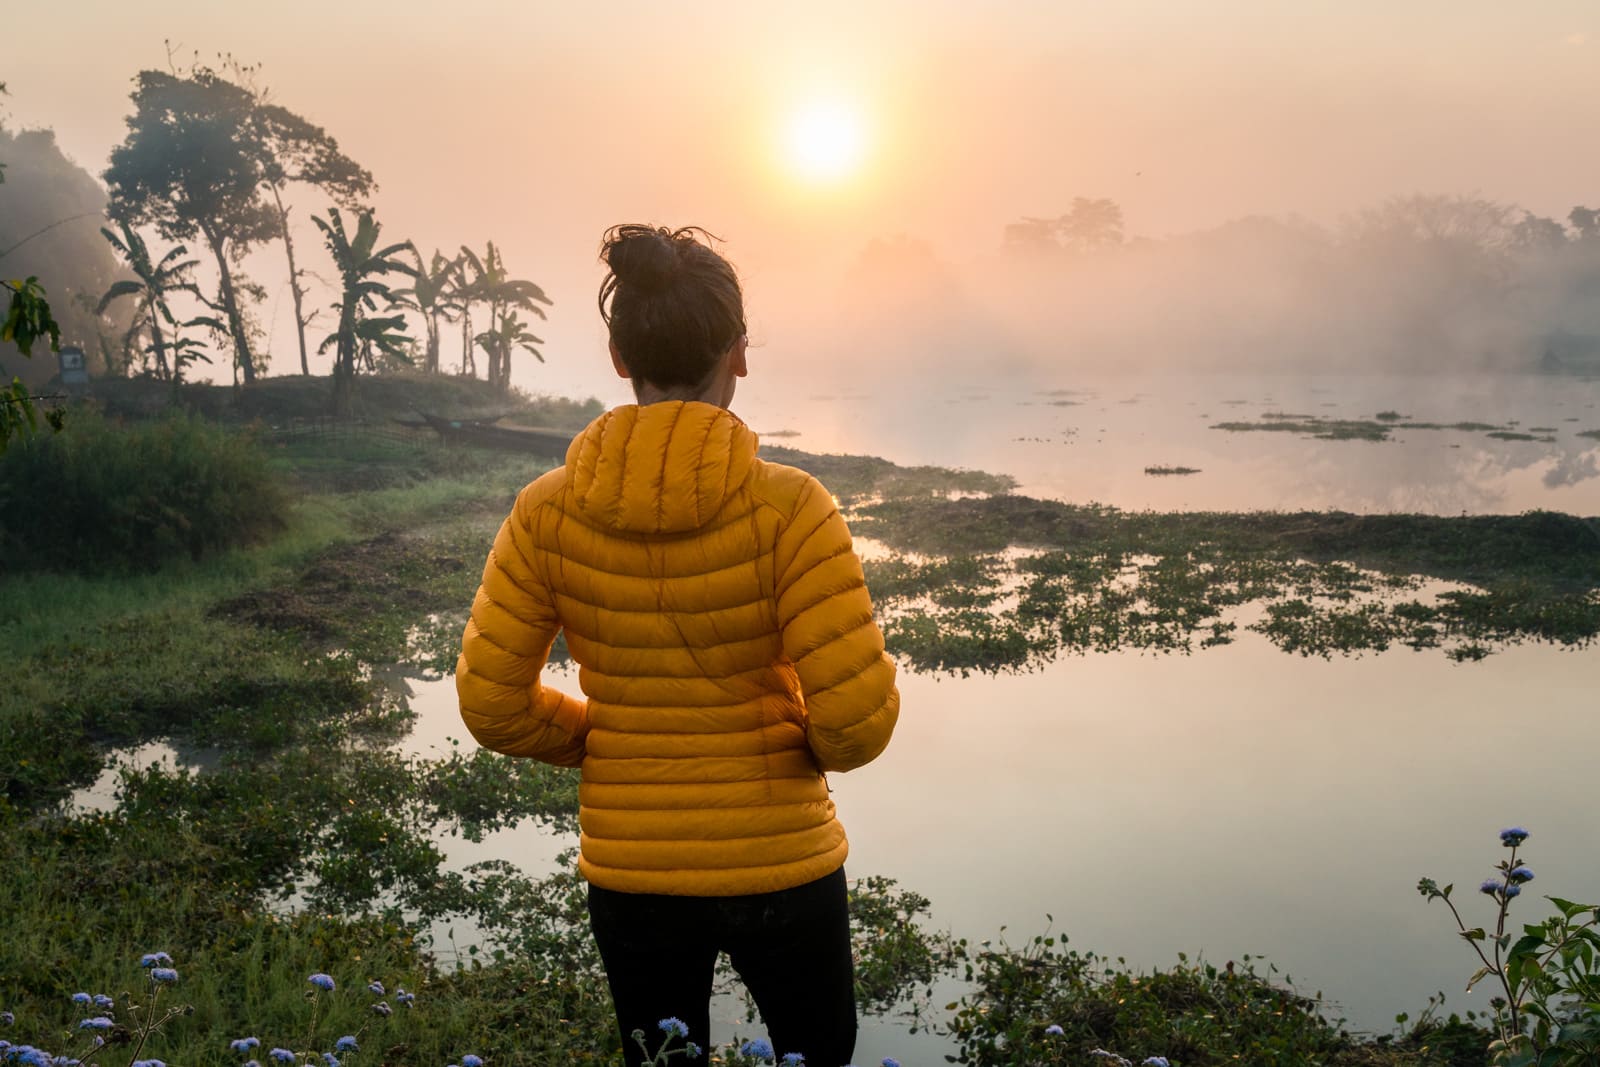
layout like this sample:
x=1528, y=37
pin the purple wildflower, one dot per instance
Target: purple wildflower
x=163, y=974
x=244, y=1044
x=154, y=959
x=347, y=1043
x=1513, y=836
x=759, y=1047
x=322, y=982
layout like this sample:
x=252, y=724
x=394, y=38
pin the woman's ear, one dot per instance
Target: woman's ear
x=736, y=361
x=616, y=361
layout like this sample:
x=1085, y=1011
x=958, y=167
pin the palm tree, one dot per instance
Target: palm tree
x=154, y=281
x=431, y=294
x=361, y=264
x=509, y=334
x=492, y=284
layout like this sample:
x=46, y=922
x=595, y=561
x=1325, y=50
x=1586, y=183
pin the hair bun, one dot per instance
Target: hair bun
x=642, y=257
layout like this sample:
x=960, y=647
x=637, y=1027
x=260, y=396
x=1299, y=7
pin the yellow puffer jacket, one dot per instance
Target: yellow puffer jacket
x=725, y=642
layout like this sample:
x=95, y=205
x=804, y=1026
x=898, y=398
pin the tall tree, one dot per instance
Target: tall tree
x=493, y=285
x=192, y=165
x=299, y=151
x=153, y=281
x=362, y=266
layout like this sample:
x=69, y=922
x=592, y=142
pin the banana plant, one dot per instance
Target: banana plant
x=431, y=293
x=491, y=283
x=362, y=266
x=153, y=282
x=509, y=334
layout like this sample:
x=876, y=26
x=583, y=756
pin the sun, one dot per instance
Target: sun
x=825, y=141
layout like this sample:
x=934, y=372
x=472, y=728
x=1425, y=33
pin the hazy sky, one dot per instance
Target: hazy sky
x=537, y=124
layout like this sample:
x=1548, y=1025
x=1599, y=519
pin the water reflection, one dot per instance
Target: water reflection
x=101, y=795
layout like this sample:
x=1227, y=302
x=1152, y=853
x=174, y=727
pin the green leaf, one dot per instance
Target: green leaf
x=1479, y=975
x=1530, y=943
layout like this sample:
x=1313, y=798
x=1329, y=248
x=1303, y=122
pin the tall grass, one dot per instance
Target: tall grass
x=108, y=498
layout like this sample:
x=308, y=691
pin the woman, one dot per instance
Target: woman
x=728, y=658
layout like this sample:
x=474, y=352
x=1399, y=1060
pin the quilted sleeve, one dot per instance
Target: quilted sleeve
x=503, y=651
x=829, y=635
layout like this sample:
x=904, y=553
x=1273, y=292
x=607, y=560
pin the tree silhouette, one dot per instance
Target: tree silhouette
x=490, y=283
x=1091, y=224
x=508, y=334
x=295, y=150
x=153, y=281
x=192, y=166
x=361, y=266
x=431, y=294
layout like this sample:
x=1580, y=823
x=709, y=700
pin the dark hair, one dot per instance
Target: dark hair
x=675, y=305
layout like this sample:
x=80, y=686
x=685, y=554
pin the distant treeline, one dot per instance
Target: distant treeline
x=1417, y=282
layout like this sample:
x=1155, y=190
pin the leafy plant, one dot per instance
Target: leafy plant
x=1548, y=1010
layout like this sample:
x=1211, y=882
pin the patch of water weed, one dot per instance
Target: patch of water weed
x=1516, y=435
x=1162, y=471
x=1161, y=581
x=963, y=640
x=1313, y=426
x=1379, y=428
x=896, y=578
x=1591, y=434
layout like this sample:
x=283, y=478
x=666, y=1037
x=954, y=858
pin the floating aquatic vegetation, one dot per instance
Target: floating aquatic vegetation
x=1159, y=470
x=1097, y=579
x=1378, y=428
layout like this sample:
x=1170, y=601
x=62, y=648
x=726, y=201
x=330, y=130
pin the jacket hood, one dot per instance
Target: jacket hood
x=659, y=468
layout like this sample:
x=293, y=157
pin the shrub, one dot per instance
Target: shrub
x=106, y=497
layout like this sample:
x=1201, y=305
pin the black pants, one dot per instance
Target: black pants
x=791, y=948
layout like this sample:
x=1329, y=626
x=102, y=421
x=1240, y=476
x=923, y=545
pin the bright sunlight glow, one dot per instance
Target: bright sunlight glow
x=826, y=141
